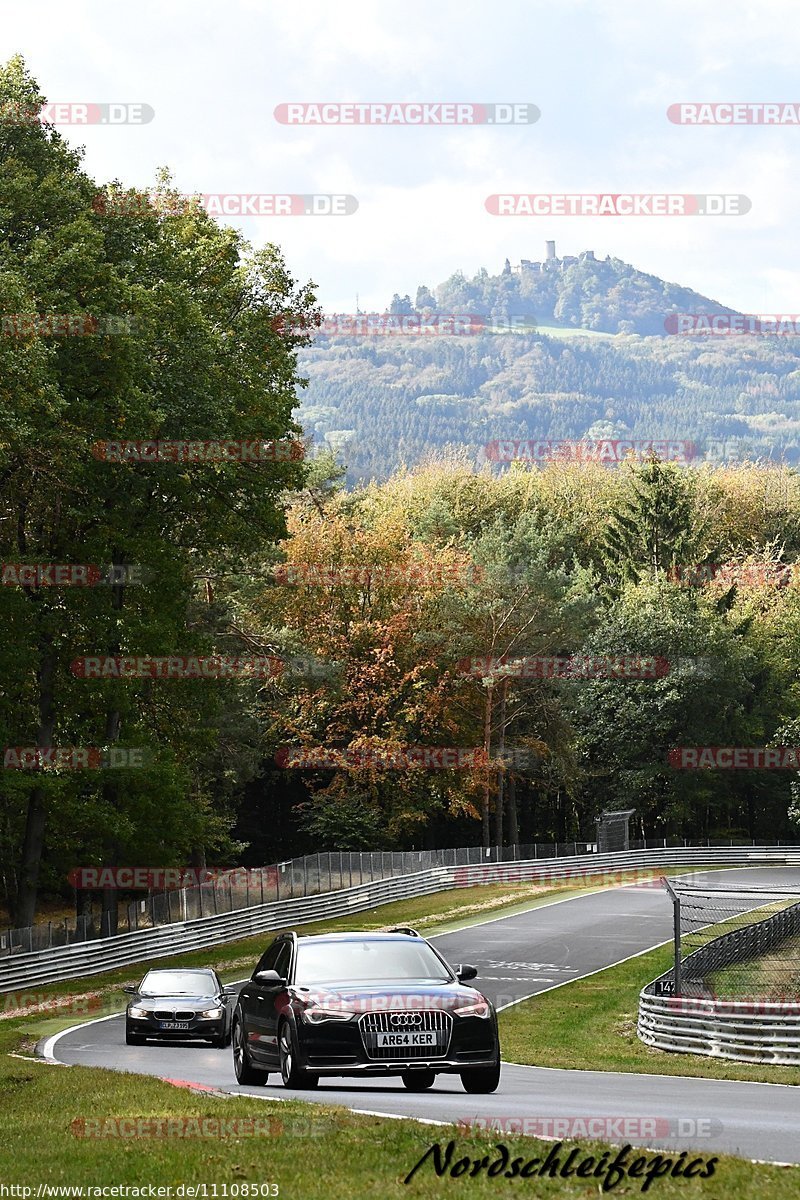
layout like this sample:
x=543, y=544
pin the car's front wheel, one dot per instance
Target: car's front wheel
x=133, y=1039
x=418, y=1081
x=244, y=1070
x=480, y=1080
x=293, y=1075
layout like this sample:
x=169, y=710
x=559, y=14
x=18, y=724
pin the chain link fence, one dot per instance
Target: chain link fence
x=240, y=888
x=737, y=944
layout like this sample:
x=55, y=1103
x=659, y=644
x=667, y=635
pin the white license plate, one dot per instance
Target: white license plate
x=407, y=1038
x=173, y=1024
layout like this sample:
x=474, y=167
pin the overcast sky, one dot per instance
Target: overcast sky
x=602, y=73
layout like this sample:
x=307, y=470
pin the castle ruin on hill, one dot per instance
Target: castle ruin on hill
x=552, y=262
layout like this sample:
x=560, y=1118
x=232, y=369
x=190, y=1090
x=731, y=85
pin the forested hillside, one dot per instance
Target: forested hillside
x=385, y=401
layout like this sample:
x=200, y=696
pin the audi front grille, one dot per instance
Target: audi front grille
x=434, y=1020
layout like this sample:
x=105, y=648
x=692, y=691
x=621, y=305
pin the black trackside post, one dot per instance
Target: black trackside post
x=676, y=915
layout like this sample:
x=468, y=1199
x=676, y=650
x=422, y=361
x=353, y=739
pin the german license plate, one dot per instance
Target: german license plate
x=407, y=1038
x=173, y=1024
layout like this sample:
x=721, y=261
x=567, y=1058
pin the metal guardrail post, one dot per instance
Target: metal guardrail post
x=676, y=935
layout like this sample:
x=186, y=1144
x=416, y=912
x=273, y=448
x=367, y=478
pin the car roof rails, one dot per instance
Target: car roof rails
x=404, y=929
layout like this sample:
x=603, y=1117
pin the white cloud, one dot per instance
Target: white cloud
x=603, y=77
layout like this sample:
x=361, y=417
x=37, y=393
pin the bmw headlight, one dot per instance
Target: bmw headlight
x=137, y=1012
x=212, y=1013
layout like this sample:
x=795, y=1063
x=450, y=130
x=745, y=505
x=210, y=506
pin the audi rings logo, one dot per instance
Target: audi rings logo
x=405, y=1020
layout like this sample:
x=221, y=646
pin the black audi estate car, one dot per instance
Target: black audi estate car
x=182, y=1004
x=366, y=1005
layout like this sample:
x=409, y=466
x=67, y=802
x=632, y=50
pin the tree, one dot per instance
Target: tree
x=201, y=356
x=401, y=304
x=650, y=530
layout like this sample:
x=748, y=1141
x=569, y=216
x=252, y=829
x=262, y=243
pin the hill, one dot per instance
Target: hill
x=389, y=400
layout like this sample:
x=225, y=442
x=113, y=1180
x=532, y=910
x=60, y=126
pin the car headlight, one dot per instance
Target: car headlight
x=315, y=1014
x=137, y=1012
x=480, y=1008
x=211, y=1013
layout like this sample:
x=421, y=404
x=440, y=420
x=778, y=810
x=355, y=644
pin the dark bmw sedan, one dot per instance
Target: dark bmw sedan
x=366, y=1005
x=179, y=1004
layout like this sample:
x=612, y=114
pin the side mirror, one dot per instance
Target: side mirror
x=464, y=972
x=230, y=989
x=130, y=989
x=269, y=979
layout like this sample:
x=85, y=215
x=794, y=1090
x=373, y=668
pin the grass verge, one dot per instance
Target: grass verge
x=312, y=1152
x=775, y=975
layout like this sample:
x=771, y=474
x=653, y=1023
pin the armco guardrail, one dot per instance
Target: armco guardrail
x=745, y=1030
x=92, y=958
x=228, y=890
x=751, y=1030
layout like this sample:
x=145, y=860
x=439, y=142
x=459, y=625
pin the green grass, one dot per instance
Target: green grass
x=590, y=1025
x=772, y=976
x=568, y=331
x=312, y=1152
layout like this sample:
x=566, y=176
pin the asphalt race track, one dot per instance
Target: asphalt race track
x=519, y=956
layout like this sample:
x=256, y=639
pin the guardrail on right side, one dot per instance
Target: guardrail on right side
x=93, y=958
x=752, y=1030
x=766, y=1032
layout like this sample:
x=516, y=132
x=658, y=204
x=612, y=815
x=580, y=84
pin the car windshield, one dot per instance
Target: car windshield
x=369, y=961
x=178, y=983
